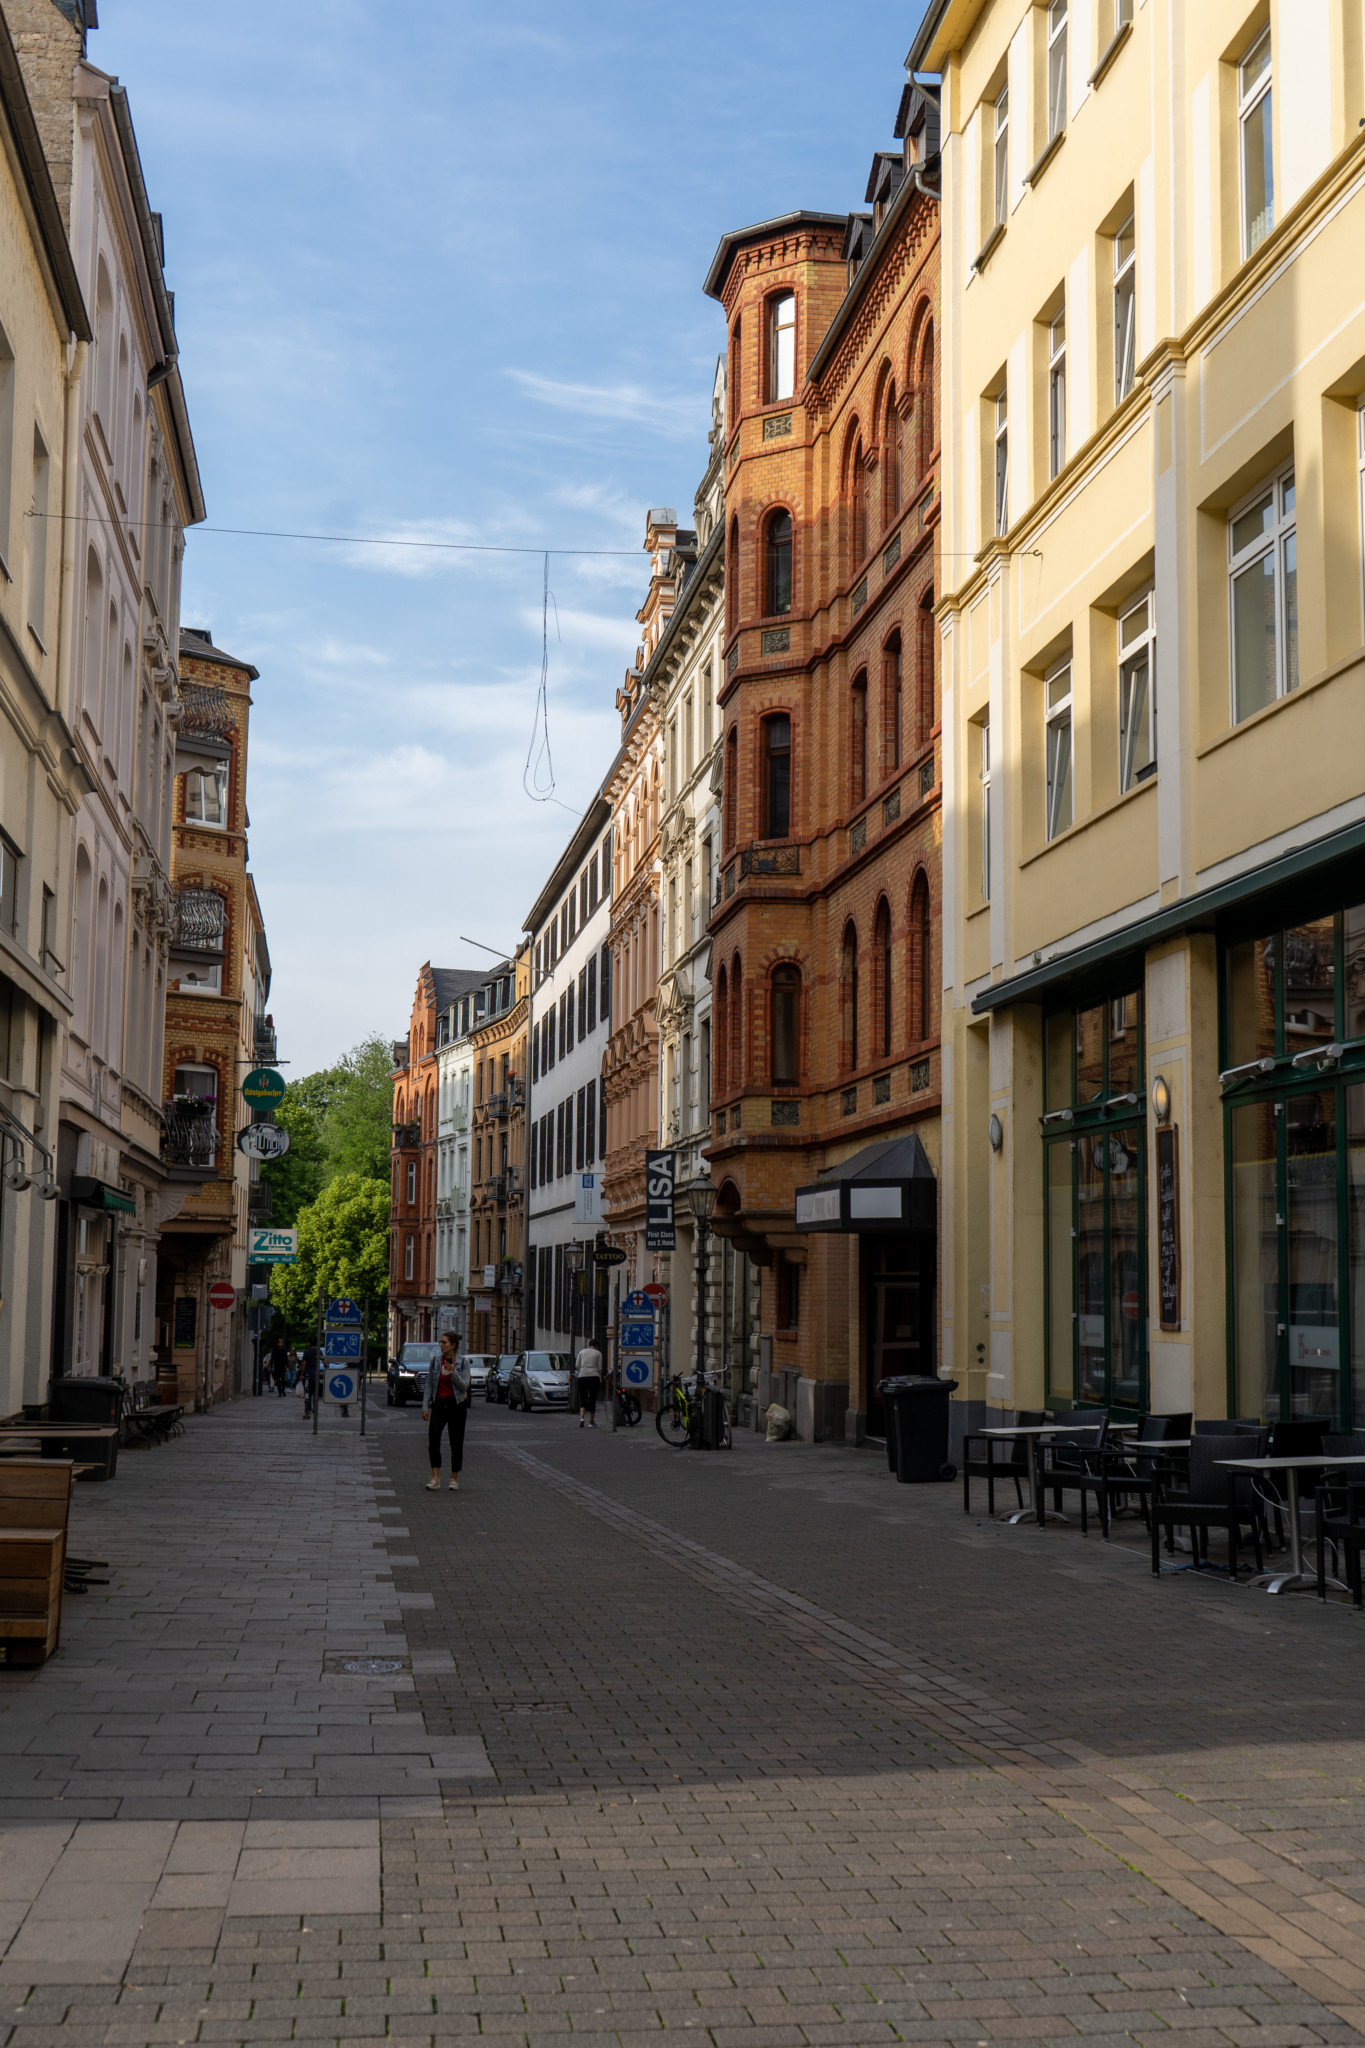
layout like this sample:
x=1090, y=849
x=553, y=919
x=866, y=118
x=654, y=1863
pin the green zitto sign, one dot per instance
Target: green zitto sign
x=272, y=1247
x=263, y=1088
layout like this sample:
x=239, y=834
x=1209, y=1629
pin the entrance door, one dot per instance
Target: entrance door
x=900, y=1315
x=1110, y=1290
x=1287, y=1257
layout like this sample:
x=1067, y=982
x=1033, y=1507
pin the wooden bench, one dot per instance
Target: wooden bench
x=35, y=1499
x=153, y=1425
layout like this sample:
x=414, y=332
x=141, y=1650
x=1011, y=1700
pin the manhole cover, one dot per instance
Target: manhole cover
x=372, y=1665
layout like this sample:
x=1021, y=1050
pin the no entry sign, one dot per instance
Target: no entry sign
x=222, y=1295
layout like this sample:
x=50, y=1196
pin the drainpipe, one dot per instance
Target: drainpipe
x=70, y=498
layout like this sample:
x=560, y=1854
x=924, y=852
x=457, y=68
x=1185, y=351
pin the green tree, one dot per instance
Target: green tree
x=297, y=1179
x=358, y=1125
x=343, y=1249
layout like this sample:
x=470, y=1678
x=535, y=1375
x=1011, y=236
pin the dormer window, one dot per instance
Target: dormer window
x=782, y=347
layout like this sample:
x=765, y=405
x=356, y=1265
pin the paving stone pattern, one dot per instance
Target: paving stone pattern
x=784, y=1754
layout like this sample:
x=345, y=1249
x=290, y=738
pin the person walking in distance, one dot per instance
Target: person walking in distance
x=588, y=1368
x=311, y=1361
x=279, y=1365
x=445, y=1407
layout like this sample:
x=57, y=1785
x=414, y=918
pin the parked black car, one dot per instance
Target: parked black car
x=408, y=1373
x=499, y=1372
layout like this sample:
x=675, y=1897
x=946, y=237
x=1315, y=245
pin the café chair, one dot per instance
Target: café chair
x=1339, y=1513
x=1212, y=1497
x=1073, y=1462
x=1130, y=1466
x=1004, y=1459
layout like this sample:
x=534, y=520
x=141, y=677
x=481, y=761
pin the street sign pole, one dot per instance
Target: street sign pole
x=365, y=1365
x=317, y=1376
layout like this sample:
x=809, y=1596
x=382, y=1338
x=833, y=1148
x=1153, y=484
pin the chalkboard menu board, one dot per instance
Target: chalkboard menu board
x=186, y=1313
x=1168, y=1227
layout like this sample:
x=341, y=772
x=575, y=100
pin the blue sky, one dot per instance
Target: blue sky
x=438, y=276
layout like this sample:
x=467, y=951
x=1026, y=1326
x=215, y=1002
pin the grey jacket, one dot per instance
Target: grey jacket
x=459, y=1376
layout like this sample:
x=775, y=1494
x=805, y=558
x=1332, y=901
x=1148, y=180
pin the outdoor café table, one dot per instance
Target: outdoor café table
x=1037, y=1434
x=1296, y=1577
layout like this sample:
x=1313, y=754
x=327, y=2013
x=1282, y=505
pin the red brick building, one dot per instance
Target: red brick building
x=825, y=934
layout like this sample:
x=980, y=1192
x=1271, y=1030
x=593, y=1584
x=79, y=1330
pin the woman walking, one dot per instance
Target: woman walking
x=279, y=1365
x=445, y=1406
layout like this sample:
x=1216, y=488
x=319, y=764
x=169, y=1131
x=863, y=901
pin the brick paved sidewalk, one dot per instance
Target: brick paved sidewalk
x=784, y=1753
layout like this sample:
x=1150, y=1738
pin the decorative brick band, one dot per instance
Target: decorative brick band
x=777, y=426
x=778, y=640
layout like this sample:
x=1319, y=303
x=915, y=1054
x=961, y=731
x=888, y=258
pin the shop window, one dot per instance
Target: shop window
x=1058, y=727
x=786, y=1026
x=781, y=346
x=1263, y=572
x=1137, y=692
x=777, y=776
x=779, y=564
x=1254, y=121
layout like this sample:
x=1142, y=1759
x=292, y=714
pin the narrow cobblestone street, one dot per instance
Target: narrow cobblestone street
x=758, y=1746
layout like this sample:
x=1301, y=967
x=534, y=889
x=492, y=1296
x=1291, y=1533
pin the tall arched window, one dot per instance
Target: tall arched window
x=732, y=577
x=736, y=1024
x=858, y=509
x=94, y=638
x=857, y=738
x=720, y=1079
x=777, y=776
x=892, y=707
x=781, y=347
x=786, y=1025
x=848, y=1000
x=81, y=951
x=778, y=566
x=731, y=787
x=893, y=457
x=928, y=645
x=104, y=349
x=925, y=409
x=733, y=384
x=921, y=961
x=881, y=969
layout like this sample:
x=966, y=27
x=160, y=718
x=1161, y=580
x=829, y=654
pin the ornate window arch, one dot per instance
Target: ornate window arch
x=882, y=982
x=848, y=999
x=920, y=952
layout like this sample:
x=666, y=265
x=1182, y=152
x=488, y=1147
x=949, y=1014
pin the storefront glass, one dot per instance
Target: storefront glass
x=1294, y=1087
x=1094, y=1149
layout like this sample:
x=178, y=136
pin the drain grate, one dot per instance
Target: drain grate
x=372, y=1666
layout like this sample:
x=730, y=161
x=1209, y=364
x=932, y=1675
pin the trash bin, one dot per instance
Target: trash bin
x=917, y=1427
x=713, y=1420
x=890, y=1410
x=75, y=1399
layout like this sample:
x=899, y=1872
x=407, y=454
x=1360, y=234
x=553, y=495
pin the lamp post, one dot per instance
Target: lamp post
x=703, y=1199
x=573, y=1266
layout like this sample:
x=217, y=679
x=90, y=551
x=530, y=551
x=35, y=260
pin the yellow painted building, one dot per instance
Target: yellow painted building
x=1153, y=703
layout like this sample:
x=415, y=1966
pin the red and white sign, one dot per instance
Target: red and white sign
x=222, y=1295
x=1130, y=1305
x=657, y=1292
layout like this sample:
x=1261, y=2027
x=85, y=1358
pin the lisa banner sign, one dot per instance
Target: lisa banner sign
x=661, y=1172
x=263, y=1088
x=272, y=1247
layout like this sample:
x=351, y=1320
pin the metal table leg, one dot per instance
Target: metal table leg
x=1296, y=1579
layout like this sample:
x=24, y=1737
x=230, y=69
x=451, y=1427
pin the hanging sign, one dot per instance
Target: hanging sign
x=263, y=1088
x=610, y=1255
x=272, y=1247
x=1168, y=1226
x=661, y=1170
x=263, y=1141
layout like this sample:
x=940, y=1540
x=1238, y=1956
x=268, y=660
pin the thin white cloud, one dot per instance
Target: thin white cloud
x=630, y=403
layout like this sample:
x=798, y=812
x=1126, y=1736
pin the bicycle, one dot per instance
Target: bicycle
x=679, y=1416
x=628, y=1409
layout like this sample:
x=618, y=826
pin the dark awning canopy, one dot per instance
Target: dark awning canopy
x=885, y=1187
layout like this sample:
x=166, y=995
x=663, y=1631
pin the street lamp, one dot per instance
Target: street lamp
x=702, y=1195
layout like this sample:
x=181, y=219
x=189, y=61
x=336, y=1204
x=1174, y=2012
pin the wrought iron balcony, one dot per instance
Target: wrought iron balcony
x=516, y=1184
x=496, y=1105
x=769, y=860
x=198, y=922
x=264, y=1045
x=189, y=1142
x=406, y=1137
x=494, y=1188
x=207, y=727
x=516, y=1093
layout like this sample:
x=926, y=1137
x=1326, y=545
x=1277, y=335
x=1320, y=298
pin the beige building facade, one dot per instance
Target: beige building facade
x=1154, y=771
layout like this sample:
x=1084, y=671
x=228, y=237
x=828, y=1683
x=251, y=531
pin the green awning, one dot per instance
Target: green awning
x=97, y=1194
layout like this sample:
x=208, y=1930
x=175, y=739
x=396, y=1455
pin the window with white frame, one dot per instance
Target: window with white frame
x=1137, y=692
x=1254, y=126
x=1360, y=468
x=407, y=1258
x=206, y=797
x=1001, y=165
x=1125, y=309
x=1264, y=579
x=1056, y=68
x=1002, y=460
x=1060, y=789
x=412, y=1182
x=985, y=730
x=1056, y=393
x=201, y=980
x=782, y=346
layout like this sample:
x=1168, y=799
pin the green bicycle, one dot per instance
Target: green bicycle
x=678, y=1414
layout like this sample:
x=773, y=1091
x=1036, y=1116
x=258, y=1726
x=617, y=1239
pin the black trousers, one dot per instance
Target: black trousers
x=452, y=1416
x=587, y=1394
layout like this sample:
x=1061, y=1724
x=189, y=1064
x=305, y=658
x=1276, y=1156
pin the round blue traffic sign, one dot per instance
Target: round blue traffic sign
x=638, y=1372
x=341, y=1386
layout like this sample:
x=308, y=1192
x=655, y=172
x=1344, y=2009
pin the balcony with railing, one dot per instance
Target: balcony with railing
x=516, y=1184
x=207, y=726
x=189, y=1144
x=407, y=1137
x=493, y=1188
x=264, y=1045
x=496, y=1105
x=198, y=923
x=516, y=1093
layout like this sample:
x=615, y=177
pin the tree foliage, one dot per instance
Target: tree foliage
x=333, y=1185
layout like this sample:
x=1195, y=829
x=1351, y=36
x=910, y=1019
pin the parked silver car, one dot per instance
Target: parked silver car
x=479, y=1363
x=539, y=1379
